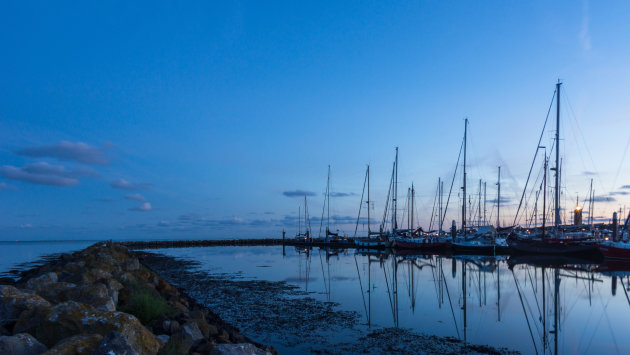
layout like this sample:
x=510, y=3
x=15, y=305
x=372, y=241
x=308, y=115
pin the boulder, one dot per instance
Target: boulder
x=41, y=281
x=237, y=349
x=96, y=295
x=132, y=264
x=163, y=339
x=82, y=344
x=191, y=331
x=20, y=344
x=70, y=318
x=113, y=287
x=115, y=343
x=14, y=301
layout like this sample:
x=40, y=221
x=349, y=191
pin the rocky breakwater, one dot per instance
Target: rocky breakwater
x=102, y=300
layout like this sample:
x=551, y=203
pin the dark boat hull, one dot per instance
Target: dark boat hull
x=610, y=252
x=424, y=245
x=551, y=247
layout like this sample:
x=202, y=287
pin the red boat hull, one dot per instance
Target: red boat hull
x=611, y=252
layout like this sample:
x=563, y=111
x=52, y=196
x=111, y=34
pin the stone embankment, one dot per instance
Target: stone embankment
x=102, y=300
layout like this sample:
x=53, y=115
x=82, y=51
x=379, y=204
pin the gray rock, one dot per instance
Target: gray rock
x=132, y=264
x=163, y=339
x=115, y=343
x=14, y=301
x=191, y=332
x=41, y=281
x=237, y=349
x=20, y=344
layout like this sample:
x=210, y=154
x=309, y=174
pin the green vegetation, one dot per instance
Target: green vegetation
x=144, y=303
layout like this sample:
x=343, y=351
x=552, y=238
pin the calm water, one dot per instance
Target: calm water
x=483, y=300
x=12, y=254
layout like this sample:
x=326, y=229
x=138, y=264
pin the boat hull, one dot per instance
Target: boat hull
x=611, y=252
x=551, y=247
x=424, y=244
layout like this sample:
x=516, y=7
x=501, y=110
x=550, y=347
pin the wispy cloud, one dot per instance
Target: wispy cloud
x=604, y=199
x=43, y=173
x=136, y=197
x=589, y=173
x=342, y=194
x=5, y=186
x=585, y=36
x=142, y=208
x=620, y=193
x=625, y=187
x=79, y=151
x=126, y=185
x=298, y=193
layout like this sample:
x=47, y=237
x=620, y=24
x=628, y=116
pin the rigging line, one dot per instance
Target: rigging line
x=361, y=205
x=536, y=298
x=590, y=156
x=623, y=158
x=535, y=154
x=525, y=312
x=433, y=209
x=391, y=304
x=450, y=302
x=387, y=202
x=452, y=182
x=321, y=262
x=361, y=285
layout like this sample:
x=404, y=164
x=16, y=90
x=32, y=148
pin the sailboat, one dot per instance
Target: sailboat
x=558, y=241
x=369, y=241
x=418, y=240
x=483, y=239
x=332, y=239
x=306, y=236
x=617, y=248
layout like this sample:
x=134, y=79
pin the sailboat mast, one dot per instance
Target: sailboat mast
x=544, y=213
x=464, y=178
x=440, y=203
x=368, y=199
x=499, y=200
x=328, y=203
x=557, y=182
x=413, y=193
x=479, y=206
x=485, y=221
x=395, y=197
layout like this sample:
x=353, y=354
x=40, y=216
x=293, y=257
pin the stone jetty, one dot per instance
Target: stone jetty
x=103, y=300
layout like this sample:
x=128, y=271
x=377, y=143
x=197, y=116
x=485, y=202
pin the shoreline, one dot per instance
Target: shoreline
x=102, y=299
x=77, y=303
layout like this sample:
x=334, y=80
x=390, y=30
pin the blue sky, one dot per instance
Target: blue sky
x=168, y=120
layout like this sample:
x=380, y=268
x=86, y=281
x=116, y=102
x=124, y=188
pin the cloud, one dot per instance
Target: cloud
x=589, y=173
x=585, y=36
x=504, y=200
x=136, y=197
x=620, y=193
x=142, y=208
x=604, y=199
x=5, y=186
x=126, y=185
x=43, y=173
x=342, y=194
x=625, y=187
x=298, y=193
x=164, y=224
x=79, y=151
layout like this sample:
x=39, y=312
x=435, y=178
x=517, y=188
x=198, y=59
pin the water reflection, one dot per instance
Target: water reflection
x=523, y=304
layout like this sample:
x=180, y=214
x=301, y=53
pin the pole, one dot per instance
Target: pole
x=499, y=199
x=464, y=182
x=557, y=182
x=368, y=199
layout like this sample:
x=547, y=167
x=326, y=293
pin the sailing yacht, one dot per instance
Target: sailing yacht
x=558, y=241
